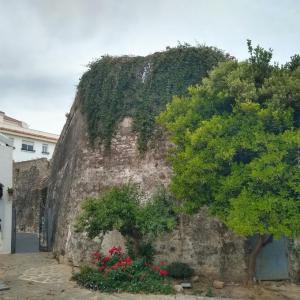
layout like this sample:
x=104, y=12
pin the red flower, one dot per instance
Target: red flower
x=114, y=250
x=122, y=260
x=128, y=260
x=163, y=273
x=106, y=259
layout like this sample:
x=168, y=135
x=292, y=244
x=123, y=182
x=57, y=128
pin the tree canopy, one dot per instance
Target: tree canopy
x=236, y=143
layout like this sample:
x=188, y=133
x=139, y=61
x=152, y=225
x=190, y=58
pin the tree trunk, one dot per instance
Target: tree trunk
x=135, y=240
x=262, y=240
x=181, y=235
x=136, y=247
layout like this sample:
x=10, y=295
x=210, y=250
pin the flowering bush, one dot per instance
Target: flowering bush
x=115, y=260
x=116, y=272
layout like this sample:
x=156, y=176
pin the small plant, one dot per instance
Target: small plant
x=180, y=270
x=10, y=191
x=117, y=272
x=209, y=292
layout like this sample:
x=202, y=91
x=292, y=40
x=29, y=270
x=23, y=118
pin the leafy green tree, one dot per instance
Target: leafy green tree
x=237, y=147
x=121, y=209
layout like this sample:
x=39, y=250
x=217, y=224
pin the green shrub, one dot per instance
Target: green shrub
x=121, y=209
x=147, y=252
x=117, y=272
x=180, y=270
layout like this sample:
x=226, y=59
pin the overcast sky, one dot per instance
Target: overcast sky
x=45, y=45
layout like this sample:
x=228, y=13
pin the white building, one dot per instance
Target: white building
x=28, y=143
x=6, y=166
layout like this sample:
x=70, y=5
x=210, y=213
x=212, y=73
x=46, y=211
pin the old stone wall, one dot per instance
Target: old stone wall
x=30, y=178
x=206, y=244
x=78, y=172
x=294, y=258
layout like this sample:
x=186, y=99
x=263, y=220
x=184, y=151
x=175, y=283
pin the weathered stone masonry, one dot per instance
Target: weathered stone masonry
x=78, y=172
x=30, y=178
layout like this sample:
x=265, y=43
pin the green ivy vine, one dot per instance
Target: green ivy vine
x=139, y=87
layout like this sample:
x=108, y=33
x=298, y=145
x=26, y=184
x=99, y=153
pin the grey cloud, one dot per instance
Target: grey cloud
x=51, y=86
x=45, y=45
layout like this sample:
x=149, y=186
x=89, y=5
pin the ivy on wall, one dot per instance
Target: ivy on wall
x=139, y=87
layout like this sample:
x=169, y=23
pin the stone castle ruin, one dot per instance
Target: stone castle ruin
x=91, y=157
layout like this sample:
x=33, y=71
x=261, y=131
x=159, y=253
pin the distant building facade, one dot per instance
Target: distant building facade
x=28, y=143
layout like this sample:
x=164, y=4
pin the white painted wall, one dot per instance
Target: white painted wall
x=21, y=155
x=6, y=166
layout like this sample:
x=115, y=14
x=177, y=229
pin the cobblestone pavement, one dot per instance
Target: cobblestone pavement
x=36, y=276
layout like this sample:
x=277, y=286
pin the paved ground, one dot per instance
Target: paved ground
x=27, y=242
x=36, y=276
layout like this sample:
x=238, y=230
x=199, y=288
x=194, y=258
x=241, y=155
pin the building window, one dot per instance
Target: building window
x=27, y=146
x=45, y=149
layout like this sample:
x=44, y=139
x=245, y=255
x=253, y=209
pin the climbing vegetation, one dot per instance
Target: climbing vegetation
x=236, y=147
x=139, y=87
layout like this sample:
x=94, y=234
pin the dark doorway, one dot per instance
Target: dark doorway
x=45, y=223
x=29, y=242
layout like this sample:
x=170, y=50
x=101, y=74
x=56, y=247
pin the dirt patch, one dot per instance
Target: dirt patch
x=261, y=291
